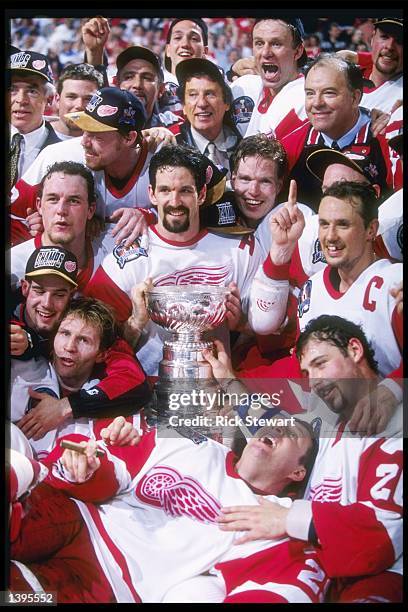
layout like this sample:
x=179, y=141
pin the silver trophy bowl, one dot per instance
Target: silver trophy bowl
x=187, y=311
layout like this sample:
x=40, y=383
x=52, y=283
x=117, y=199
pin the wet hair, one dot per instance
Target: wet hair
x=361, y=196
x=352, y=73
x=96, y=313
x=80, y=72
x=259, y=145
x=179, y=156
x=72, y=169
x=338, y=332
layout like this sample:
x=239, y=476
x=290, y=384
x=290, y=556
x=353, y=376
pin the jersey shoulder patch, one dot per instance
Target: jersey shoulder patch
x=304, y=298
x=124, y=254
x=242, y=108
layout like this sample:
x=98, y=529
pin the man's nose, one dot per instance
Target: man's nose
x=46, y=300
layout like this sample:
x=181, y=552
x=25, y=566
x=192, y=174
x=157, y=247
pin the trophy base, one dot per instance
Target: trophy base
x=185, y=361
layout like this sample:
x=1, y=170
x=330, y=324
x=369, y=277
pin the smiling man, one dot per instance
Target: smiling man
x=31, y=90
x=206, y=99
x=179, y=253
x=148, y=485
x=333, y=90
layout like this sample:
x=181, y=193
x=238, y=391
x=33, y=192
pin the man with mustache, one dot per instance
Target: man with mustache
x=352, y=508
x=383, y=66
x=179, y=253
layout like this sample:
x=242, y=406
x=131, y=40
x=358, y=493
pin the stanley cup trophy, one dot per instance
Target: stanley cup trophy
x=187, y=311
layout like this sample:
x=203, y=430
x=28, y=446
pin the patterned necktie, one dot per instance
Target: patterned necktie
x=14, y=157
x=335, y=145
x=212, y=153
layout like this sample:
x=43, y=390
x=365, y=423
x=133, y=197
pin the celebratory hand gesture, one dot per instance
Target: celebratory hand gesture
x=81, y=465
x=286, y=225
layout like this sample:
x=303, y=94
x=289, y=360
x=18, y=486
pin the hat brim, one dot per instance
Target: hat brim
x=235, y=230
x=319, y=160
x=89, y=124
x=51, y=271
x=36, y=72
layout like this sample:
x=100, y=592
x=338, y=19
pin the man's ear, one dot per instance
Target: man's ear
x=25, y=287
x=91, y=210
x=202, y=194
x=152, y=196
x=161, y=90
x=298, y=474
x=101, y=356
x=355, y=350
x=372, y=229
x=56, y=100
x=299, y=52
x=38, y=205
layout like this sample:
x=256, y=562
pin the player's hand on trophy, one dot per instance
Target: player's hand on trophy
x=81, y=466
x=130, y=223
x=136, y=323
x=220, y=363
x=120, y=433
x=34, y=222
x=264, y=522
x=95, y=33
x=235, y=317
x=286, y=226
x=157, y=136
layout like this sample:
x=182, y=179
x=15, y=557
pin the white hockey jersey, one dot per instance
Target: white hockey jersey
x=285, y=112
x=384, y=96
x=133, y=194
x=367, y=302
x=160, y=527
x=208, y=259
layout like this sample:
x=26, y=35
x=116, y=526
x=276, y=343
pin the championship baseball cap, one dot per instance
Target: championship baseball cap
x=53, y=260
x=318, y=161
x=295, y=23
x=201, y=24
x=110, y=110
x=222, y=217
x=34, y=63
x=143, y=53
x=391, y=25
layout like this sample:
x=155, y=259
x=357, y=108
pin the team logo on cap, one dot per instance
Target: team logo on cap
x=371, y=169
x=124, y=254
x=106, y=111
x=70, y=266
x=304, y=298
x=20, y=60
x=39, y=64
x=51, y=258
x=94, y=102
x=128, y=117
x=242, y=109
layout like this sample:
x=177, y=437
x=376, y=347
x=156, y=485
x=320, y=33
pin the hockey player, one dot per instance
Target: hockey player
x=162, y=522
x=180, y=254
x=353, y=503
x=273, y=102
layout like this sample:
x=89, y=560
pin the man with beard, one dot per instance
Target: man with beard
x=383, y=66
x=179, y=253
x=352, y=508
